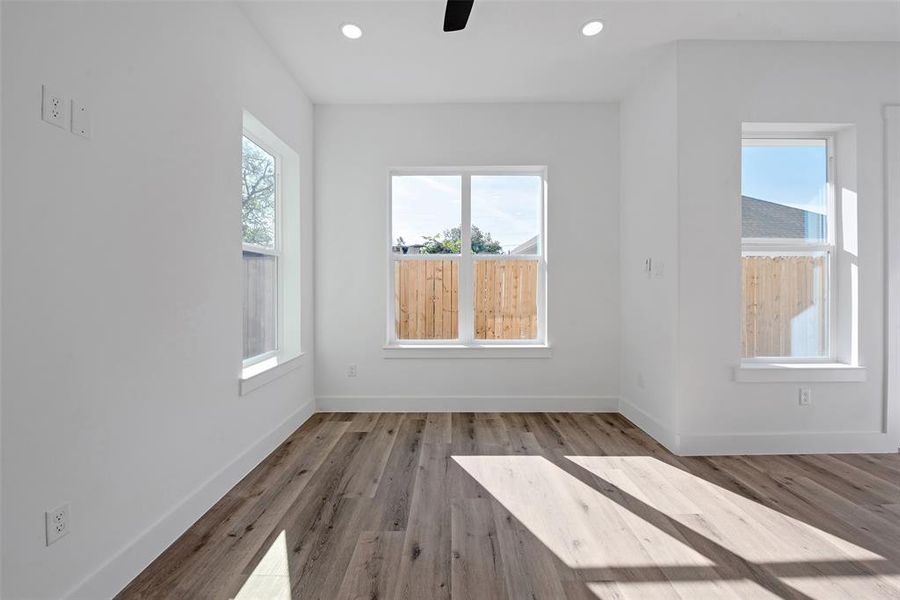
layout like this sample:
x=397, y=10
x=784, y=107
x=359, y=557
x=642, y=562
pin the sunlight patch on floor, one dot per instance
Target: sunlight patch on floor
x=858, y=586
x=753, y=531
x=581, y=526
x=663, y=590
x=271, y=578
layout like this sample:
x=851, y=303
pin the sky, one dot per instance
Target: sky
x=791, y=175
x=507, y=206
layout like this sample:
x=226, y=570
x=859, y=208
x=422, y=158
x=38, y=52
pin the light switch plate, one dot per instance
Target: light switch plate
x=81, y=119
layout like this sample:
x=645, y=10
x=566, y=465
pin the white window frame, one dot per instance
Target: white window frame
x=275, y=251
x=781, y=247
x=260, y=370
x=466, y=260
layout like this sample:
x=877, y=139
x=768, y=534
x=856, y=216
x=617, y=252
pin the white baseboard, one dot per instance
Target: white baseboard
x=467, y=403
x=650, y=425
x=703, y=444
x=127, y=563
x=874, y=442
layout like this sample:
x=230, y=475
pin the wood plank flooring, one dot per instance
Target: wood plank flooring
x=538, y=505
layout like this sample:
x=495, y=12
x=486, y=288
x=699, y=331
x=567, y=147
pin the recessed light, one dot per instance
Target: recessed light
x=592, y=28
x=351, y=31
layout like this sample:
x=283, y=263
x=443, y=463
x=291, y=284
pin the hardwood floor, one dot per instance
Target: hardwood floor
x=537, y=505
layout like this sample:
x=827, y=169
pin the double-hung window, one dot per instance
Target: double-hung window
x=270, y=239
x=260, y=191
x=788, y=248
x=467, y=257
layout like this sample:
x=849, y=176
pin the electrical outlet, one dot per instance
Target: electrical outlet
x=805, y=397
x=81, y=119
x=54, y=108
x=57, y=522
x=351, y=370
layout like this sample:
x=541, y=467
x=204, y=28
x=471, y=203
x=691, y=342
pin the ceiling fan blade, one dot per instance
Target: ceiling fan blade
x=457, y=14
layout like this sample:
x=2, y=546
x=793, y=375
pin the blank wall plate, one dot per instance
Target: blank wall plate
x=57, y=522
x=54, y=108
x=81, y=119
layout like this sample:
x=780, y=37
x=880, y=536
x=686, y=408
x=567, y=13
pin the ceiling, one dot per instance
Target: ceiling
x=520, y=51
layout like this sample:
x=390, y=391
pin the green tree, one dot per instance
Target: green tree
x=257, y=195
x=449, y=242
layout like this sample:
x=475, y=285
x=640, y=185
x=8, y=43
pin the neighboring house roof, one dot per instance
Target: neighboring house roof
x=526, y=247
x=764, y=219
x=411, y=249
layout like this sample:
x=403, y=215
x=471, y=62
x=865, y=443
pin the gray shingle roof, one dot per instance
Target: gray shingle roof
x=764, y=219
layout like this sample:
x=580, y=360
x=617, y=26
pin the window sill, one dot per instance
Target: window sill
x=463, y=351
x=798, y=373
x=258, y=375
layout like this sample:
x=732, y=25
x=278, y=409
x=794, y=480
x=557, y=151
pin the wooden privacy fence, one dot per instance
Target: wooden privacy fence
x=784, y=308
x=260, y=304
x=426, y=294
x=425, y=299
x=506, y=299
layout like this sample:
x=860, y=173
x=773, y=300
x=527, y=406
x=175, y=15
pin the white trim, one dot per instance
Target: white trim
x=466, y=258
x=260, y=250
x=789, y=372
x=259, y=374
x=132, y=558
x=474, y=170
x=891, y=411
x=793, y=139
x=286, y=251
x=779, y=247
x=265, y=140
x=650, y=425
x=466, y=284
x=787, y=442
x=255, y=360
x=755, y=137
x=444, y=350
x=467, y=403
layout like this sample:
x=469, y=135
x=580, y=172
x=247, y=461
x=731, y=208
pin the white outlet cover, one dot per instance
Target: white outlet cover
x=81, y=119
x=54, y=108
x=57, y=523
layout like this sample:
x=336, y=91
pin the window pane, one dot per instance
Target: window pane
x=506, y=214
x=425, y=299
x=258, y=195
x=784, y=189
x=260, y=304
x=506, y=294
x=784, y=310
x=426, y=212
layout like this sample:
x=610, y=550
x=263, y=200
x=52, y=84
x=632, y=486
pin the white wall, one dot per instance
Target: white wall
x=1, y=299
x=120, y=291
x=648, y=217
x=355, y=147
x=721, y=85
x=121, y=282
